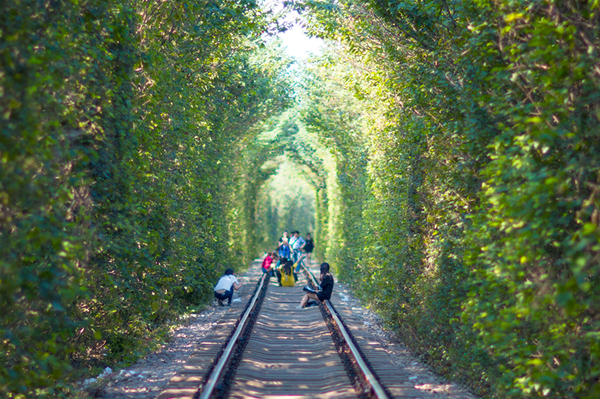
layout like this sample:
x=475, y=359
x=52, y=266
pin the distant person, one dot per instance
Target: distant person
x=297, y=247
x=284, y=250
x=308, y=248
x=284, y=236
x=292, y=238
x=326, y=287
x=285, y=275
x=280, y=262
x=224, y=288
x=274, y=263
x=291, y=241
x=267, y=263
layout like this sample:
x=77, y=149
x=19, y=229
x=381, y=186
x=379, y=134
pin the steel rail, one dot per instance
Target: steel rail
x=209, y=387
x=368, y=375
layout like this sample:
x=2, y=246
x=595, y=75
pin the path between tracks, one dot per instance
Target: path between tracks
x=178, y=367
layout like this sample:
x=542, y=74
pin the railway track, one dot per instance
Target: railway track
x=272, y=348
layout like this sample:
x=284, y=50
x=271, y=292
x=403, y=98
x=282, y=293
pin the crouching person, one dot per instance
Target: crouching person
x=285, y=275
x=267, y=263
x=326, y=287
x=224, y=288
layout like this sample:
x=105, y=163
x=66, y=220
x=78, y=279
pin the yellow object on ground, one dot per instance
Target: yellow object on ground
x=287, y=280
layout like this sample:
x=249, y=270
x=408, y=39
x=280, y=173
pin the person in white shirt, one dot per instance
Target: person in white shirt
x=292, y=240
x=224, y=288
x=297, y=246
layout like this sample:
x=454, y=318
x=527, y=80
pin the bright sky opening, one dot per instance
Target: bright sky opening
x=299, y=45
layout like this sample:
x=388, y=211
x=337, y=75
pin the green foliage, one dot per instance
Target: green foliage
x=535, y=254
x=283, y=171
x=286, y=202
x=452, y=146
x=122, y=124
x=329, y=108
x=471, y=218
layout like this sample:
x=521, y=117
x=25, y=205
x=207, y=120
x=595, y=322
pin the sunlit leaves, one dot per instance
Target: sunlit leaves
x=123, y=123
x=498, y=96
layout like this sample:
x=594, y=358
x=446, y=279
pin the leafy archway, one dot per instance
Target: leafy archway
x=452, y=147
x=284, y=143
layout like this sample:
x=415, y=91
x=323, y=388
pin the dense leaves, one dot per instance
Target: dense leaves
x=120, y=136
x=452, y=146
x=466, y=180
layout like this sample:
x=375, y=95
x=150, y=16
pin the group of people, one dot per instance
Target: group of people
x=294, y=246
x=284, y=263
x=288, y=257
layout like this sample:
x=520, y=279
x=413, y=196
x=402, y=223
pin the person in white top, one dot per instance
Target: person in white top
x=297, y=246
x=224, y=288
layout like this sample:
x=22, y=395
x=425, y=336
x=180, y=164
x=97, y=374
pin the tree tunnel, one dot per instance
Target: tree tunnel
x=287, y=184
x=447, y=151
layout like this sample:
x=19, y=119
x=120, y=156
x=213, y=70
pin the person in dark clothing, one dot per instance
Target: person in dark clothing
x=308, y=248
x=326, y=287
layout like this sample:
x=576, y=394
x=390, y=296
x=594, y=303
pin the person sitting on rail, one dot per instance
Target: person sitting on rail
x=326, y=287
x=285, y=275
x=224, y=288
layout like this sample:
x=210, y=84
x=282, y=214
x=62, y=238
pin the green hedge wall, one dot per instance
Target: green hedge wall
x=121, y=128
x=475, y=233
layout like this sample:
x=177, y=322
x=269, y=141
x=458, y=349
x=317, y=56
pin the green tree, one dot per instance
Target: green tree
x=123, y=129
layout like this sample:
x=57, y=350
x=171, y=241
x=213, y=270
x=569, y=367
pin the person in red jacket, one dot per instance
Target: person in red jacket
x=268, y=262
